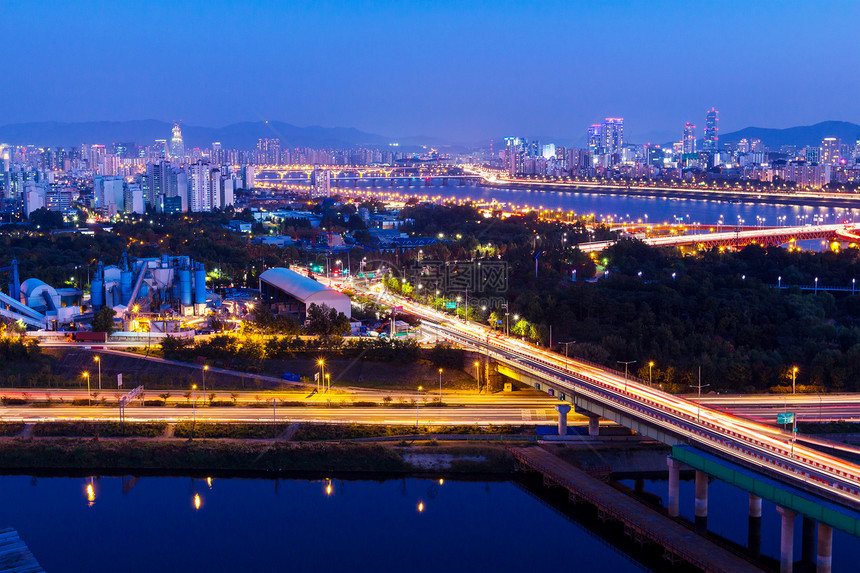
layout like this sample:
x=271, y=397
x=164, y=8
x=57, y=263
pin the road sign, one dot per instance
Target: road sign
x=360, y=275
x=450, y=305
x=371, y=275
x=785, y=418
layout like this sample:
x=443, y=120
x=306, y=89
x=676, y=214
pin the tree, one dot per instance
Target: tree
x=45, y=219
x=324, y=321
x=103, y=320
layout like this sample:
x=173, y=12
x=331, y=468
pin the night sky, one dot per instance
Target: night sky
x=464, y=71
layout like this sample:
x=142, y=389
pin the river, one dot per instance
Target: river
x=621, y=207
x=249, y=525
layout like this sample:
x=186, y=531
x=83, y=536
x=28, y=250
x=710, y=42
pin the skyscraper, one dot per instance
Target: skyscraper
x=612, y=138
x=688, y=142
x=711, y=141
x=594, y=142
x=515, y=152
x=177, y=146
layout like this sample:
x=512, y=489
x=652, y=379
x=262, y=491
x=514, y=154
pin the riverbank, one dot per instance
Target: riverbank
x=33, y=450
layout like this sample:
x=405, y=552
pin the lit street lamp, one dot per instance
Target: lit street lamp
x=440, y=386
x=193, y=408
x=793, y=379
x=99, y=362
x=87, y=376
x=478, y=374
x=650, y=380
x=418, y=407
x=205, y=368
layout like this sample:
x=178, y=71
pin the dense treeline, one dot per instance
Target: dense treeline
x=720, y=312
x=247, y=353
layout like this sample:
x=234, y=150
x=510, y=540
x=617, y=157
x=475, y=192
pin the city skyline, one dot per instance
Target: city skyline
x=436, y=71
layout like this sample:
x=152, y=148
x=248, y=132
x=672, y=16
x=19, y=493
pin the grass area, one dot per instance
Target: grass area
x=102, y=429
x=249, y=431
x=321, y=432
x=11, y=428
x=199, y=455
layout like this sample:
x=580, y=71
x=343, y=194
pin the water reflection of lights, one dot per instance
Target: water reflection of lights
x=328, y=488
x=209, y=482
x=91, y=494
x=197, y=501
x=420, y=506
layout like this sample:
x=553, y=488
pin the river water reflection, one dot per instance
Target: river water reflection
x=183, y=524
x=630, y=207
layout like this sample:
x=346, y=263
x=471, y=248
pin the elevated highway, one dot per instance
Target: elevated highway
x=773, y=464
x=764, y=236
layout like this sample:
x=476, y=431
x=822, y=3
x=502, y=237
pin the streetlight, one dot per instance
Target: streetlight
x=99, y=362
x=193, y=408
x=205, y=368
x=328, y=382
x=321, y=364
x=478, y=374
x=793, y=379
x=627, y=363
x=440, y=386
x=418, y=407
x=87, y=376
x=650, y=380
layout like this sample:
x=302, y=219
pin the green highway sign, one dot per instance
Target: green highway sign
x=450, y=305
x=360, y=275
x=786, y=418
x=371, y=275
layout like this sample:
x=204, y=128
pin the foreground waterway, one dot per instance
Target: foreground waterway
x=197, y=524
x=622, y=207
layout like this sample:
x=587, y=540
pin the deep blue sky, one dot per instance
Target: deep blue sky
x=459, y=70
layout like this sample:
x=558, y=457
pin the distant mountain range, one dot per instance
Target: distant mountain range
x=245, y=135
x=235, y=136
x=801, y=135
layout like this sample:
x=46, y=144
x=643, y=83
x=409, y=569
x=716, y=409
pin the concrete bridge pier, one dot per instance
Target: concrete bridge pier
x=824, y=559
x=593, y=425
x=807, y=544
x=444, y=182
x=786, y=542
x=701, y=505
x=674, y=505
x=563, y=410
x=754, y=532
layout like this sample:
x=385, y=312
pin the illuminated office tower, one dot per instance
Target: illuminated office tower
x=177, y=146
x=711, y=141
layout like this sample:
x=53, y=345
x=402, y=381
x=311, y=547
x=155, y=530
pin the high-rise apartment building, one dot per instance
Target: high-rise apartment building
x=711, y=141
x=199, y=192
x=515, y=152
x=612, y=138
x=830, y=152
x=688, y=141
x=594, y=138
x=270, y=150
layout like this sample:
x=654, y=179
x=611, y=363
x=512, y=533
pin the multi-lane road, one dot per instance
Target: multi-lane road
x=735, y=438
